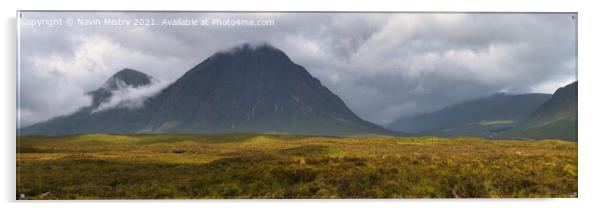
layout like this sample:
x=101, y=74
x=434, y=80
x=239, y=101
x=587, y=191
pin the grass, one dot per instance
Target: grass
x=101, y=166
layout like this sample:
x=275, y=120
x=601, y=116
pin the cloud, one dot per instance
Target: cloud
x=383, y=66
x=132, y=97
x=423, y=62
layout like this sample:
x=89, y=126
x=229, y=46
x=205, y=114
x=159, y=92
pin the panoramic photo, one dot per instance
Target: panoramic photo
x=296, y=105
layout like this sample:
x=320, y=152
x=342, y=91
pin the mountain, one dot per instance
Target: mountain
x=556, y=118
x=123, y=79
x=93, y=118
x=246, y=89
x=253, y=89
x=484, y=117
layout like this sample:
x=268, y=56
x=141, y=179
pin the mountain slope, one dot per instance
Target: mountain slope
x=483, y=117
x=556, y=118
x=247, y=89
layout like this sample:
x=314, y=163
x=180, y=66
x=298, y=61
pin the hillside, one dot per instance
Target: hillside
x=484, y=117
x=556, y=118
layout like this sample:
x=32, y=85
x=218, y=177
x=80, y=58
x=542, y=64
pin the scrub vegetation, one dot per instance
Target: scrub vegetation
x=101, y=166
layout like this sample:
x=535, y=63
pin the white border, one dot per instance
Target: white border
x=589, y=103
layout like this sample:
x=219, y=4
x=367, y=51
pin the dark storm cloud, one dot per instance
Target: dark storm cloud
x=383, y=65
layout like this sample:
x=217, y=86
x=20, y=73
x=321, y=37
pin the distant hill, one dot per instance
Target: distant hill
x=484, y=117
x=556, y=118
x=246, y=89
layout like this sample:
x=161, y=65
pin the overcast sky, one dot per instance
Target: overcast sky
x=383, y=66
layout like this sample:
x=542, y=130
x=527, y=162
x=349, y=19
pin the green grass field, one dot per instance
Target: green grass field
x=99, y=166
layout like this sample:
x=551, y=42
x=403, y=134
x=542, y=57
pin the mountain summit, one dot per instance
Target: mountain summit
x=126, y=78
x=246, y=89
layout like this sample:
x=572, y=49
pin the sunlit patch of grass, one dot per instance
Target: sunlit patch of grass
x=102, y=138
x=495, y=122
x=261, y=140
x=420, y=140
x=181, y=158
x=21, y=157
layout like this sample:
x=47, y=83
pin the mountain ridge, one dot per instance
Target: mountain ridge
x=480, y=117
x=508, y=116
